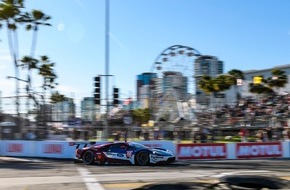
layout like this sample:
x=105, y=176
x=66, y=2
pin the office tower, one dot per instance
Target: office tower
x=145, y=86
x=88, y=109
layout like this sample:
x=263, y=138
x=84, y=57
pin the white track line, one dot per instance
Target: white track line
x=91, y=182
x=247, y=172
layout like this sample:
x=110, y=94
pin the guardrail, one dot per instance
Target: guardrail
x=58, y=149
x=190, y=151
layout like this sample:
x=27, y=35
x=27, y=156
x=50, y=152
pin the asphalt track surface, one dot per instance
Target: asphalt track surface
x=49, y=174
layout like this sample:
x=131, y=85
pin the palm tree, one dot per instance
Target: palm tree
x=47, y=72
x=57, y=97
x=260, y=88
x=29, y=63
x=33, y=20
x=10, y=15
x=224, y=82
x=279, y=79
x=208, y=86
x=10, y=11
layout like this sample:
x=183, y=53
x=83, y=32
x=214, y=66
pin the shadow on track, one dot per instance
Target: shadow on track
x=282, y=165
x=25, y=166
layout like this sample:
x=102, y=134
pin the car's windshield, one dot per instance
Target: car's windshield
x=137, y=145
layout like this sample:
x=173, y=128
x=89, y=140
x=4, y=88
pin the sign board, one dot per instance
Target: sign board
x=201, y=151
x=259, y=150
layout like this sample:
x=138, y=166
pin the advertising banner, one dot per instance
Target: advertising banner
x=259, y=150
x=54, y=149
x=18, y=148
x=2, y=148
x=201, y=151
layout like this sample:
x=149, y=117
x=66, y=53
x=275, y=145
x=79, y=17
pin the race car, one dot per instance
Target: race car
x=123, y=153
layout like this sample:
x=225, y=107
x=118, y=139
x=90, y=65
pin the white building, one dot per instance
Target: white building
x=230, y=96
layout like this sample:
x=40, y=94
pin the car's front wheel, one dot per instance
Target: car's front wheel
x=88, y=157
x=142, y=158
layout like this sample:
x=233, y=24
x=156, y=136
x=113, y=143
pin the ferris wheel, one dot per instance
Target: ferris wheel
x=178, y=59
x=174, y=68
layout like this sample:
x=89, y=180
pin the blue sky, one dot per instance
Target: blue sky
x=245, y=34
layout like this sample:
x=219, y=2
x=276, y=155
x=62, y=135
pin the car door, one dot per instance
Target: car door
x=117, y=153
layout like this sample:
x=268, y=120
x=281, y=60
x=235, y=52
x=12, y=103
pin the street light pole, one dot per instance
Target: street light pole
x=107, y=61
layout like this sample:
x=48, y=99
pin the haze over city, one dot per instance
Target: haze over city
x=245, y=35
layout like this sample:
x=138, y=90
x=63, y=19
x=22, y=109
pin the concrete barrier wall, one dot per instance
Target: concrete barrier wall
x=65, y=149
x=59, y=149
x=233, y=150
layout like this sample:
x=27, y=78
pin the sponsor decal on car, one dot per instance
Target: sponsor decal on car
x=129, y=154
x=120, y=155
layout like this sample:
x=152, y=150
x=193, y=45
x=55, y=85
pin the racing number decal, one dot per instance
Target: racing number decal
x=129, y=154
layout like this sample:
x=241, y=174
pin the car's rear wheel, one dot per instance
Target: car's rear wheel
x=88, y=157
x=142, y=158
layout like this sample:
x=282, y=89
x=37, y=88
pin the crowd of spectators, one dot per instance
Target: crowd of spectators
x=248, y=111
x=268, y=113
x=268, y=116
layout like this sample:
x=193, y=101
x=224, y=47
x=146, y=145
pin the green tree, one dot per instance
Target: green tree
x=33, y=21
x=223, y=82
x=236, y=74
x=57, y=97
x=46, y=70
x=278, y=80
x=208, y=86
x=29, y=63
x=141, y=116
x=10, y=15
x=261, y=87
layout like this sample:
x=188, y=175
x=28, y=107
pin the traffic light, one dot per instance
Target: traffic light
x=116, y=96
x=97, y=92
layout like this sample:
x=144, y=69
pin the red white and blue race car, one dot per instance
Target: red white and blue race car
x=123, y=153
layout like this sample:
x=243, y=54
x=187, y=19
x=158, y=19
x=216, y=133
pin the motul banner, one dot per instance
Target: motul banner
x=17, y=148
x=201, y=151
x=259, y=150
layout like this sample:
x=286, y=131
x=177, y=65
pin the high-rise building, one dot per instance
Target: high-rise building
x=63, y=111
x=175, y=81
x=206, y=65
x=88, y=109
x=144, y=84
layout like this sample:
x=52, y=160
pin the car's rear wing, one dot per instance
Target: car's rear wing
x=77, y=144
